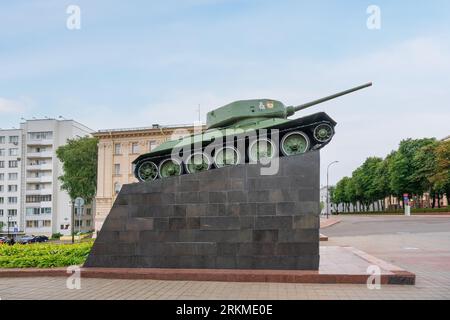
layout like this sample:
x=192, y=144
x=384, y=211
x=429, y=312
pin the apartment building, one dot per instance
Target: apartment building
x=30, y=191
x=10, y=180
x=117, y=148
x=47, y=208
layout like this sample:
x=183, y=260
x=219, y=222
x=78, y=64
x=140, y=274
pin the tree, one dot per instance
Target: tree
x=79, y=159
x=440, y=179
x=403, y=166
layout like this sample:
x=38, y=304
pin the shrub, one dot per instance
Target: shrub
x=57, y=235
x=43, y=255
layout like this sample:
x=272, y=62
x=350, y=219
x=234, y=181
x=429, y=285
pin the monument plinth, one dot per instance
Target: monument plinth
x=228, y=218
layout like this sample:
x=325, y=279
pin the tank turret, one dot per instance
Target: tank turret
x=235, y=112
x=259, y=117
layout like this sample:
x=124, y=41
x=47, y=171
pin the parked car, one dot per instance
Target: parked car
x=26, y=239
x=4, y=240
x=41, y=239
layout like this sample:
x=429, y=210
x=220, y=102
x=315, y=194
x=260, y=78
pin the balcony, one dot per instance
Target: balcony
x=39, y=192
x=40, y=142
x=39, y=179
x=45, y=166
x=43, y=154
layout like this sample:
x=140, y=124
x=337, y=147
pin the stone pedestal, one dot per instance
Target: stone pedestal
x=229, y=218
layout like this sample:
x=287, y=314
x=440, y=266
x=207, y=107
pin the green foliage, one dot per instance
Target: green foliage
x=43, y=255
x=57, y=235
x=404, y=167
x=79, y=158
x=418, y=166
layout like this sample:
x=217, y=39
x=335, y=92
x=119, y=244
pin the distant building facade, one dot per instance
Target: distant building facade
x=117, y=149
x=30, y=191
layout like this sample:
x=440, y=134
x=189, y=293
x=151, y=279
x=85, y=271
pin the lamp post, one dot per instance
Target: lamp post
x=328, y=193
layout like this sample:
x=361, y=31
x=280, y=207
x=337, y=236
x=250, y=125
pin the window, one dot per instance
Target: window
x=88, y=223
x=117, y=187
x=32, y=211
x=2, y=152
x=12, y=212
x=1, y=188
x=13, y=151
x=46, y=223
x=13, y=139
x=117, y=148
x=12, y=163
x=46, y=210
x=38, y=198
x=2, y=139
x=32, y=223
x=2, y=164
x=1, y=212
x=152, y=144
x=12, y=224
x=2, y=176
x=135, y=147
x=117, y=168
x=12, y=176
x=2, y=200
x=40, y=135
x=12, y=188
x=88, y=211
x=12, y=199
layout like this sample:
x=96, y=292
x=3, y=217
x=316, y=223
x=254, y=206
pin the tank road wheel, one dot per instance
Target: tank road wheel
x=147, y=171
x=198, y=161
x=169, y=167
x=295, y=142
x=261, y=149
x=227, y=156
x=323, y=132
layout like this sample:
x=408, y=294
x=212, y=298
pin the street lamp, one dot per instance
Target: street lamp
x=328, y=193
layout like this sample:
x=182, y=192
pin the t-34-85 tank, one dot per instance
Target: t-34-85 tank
x=245, y=131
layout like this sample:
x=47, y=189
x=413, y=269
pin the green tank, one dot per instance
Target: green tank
x=245, y=131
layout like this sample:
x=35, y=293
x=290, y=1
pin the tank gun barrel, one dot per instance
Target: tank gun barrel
x=313, y=103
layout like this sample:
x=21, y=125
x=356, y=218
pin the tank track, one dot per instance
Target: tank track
x=316, y=131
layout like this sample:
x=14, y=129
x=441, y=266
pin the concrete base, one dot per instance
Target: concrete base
x=338, y=265
x=230, y=218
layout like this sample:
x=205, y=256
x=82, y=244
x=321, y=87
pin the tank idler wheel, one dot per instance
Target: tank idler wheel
x=323, y=132
x=295, y=142
x=198, y=161
x=169, y=168
x=147, y=171
x=262, y=149
x=227, y=156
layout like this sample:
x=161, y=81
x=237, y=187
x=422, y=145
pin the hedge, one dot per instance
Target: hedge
x=419, y=211
x=43, y=255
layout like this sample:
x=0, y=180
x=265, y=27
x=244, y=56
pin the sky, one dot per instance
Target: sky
x=136, y=63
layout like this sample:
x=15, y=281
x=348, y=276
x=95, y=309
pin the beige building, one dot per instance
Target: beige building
x=117, y=148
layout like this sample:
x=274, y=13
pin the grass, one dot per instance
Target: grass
x=44, y=255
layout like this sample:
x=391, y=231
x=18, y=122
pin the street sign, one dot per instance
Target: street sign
x=79, y=202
